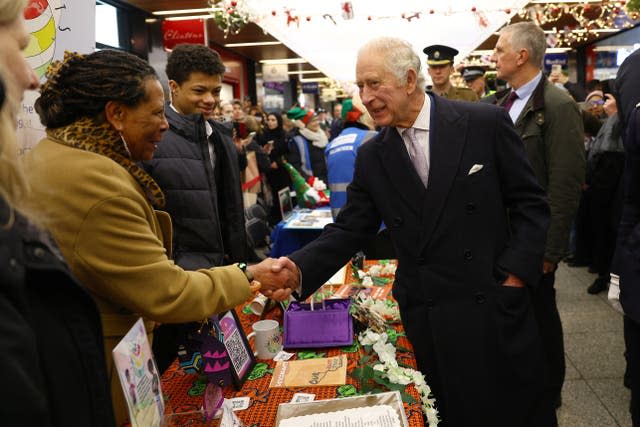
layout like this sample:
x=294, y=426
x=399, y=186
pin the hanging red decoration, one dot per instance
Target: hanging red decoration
x=291, y=18
x=507, y=11
x=273, y=13
x=234, y=3
x=473, y=9
x=482, y=20
x=431, y=11
x=368, y=18
x=347, y=10
x=308, y=18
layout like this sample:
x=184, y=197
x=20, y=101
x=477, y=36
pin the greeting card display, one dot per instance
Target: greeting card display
x=326, y=324
x=139, y=377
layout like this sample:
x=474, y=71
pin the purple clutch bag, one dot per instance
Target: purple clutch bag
x=329, y=324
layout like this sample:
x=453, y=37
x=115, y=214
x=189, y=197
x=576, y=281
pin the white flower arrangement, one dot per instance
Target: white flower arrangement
x=388, y=310
x=399, y=375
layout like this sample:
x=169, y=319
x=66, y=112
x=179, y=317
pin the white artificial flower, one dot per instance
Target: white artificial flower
x=367, y=281
x=398, y=375
x=389, y=269
x=361, y=274
x=375, y=270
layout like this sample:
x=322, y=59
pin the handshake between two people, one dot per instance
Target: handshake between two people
x=278, y=278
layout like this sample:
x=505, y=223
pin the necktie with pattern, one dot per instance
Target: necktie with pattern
x=417, y=155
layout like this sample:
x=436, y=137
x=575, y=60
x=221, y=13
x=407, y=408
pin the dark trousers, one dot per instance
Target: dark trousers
x=550, y=327
x=632, y=342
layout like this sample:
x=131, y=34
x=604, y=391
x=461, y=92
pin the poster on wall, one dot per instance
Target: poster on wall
x=54, y=26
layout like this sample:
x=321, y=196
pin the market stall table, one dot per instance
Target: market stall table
x=183, y=392
x=304, y=226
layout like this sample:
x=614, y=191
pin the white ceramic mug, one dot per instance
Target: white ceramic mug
x=268, y=339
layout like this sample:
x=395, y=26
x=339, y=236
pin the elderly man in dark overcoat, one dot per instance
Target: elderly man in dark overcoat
x=468, y=220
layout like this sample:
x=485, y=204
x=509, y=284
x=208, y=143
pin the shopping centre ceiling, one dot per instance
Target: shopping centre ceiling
x=327, y=34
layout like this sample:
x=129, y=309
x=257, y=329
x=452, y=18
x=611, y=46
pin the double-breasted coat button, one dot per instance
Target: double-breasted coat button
x=470, y=207
x=468, y=255
x=13, y=263
x=38, y=252
x=480, y=298
x=397, y=221
x=430, y=303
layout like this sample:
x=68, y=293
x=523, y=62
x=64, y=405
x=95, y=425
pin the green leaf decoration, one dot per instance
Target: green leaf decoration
x=380, y=281
x=407, y=398
x=303, y=355
x=351, y=348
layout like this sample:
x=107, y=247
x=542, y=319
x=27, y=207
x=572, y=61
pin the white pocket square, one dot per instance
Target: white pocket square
x=474, y=169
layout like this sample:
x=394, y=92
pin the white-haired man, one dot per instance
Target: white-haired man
x=467, y=219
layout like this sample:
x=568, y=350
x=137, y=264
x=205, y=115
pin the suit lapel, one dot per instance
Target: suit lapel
x=447, y=135
x=397, y=164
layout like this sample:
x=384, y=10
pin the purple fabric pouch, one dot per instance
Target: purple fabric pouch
x=329, y=324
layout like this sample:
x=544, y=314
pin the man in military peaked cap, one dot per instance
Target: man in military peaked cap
x=473, y=76
x=440, y=62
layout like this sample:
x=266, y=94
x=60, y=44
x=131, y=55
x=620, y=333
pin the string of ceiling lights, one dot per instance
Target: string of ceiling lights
x=231, y=16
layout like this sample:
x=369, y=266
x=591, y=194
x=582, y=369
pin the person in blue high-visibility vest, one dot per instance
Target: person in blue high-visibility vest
x=341, y=151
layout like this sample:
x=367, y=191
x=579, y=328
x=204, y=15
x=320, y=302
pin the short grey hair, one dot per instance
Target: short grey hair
x=398, y=56
x=527, y=35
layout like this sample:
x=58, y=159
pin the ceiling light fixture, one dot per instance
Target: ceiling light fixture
x=184, y=18
x=182, y=11
x=304, y=72
x=284, y=61
x=315, y=79
x=252, y=44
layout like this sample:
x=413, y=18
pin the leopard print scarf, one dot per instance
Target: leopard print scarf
x=100, y=138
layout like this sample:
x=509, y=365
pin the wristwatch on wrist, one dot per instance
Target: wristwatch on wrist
x=245, y=269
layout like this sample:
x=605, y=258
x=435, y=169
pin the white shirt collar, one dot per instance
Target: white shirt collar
x=525, y=91
x=423, y=121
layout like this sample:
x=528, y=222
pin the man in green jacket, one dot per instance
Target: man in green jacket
x=550, y=125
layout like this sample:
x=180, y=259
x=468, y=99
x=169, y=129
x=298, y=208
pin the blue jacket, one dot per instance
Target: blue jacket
x=341, y=160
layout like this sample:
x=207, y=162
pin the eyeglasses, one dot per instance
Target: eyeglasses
x=596, y=102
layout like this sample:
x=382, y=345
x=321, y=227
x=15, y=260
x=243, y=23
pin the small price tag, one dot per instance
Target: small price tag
x=239, y=403
x=303, y=397
x=283, y=355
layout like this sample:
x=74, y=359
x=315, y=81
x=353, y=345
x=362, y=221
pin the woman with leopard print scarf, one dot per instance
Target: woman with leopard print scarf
x=104, y=113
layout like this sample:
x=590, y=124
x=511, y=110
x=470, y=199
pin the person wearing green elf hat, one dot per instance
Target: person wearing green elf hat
x=440, y=67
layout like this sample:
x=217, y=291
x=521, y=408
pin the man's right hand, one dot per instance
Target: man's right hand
x=278, y=277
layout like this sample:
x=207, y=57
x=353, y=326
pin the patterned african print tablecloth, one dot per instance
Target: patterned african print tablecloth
x=184, y=392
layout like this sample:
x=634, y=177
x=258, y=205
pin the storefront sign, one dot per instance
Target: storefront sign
x=272, y=88
x=310, y=87
x=187, y=31
x=275, y=72
x=556, y=59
